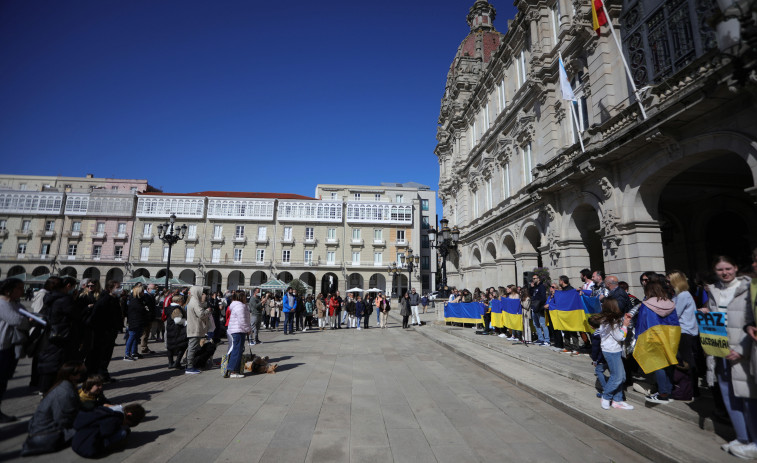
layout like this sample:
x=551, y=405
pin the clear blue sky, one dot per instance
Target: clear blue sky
x=243, y=95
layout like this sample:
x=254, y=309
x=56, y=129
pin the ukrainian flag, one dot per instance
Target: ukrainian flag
x=463, y=312
x=656, y=339
x=569, y=312
x=512, y=314
x=497, y=320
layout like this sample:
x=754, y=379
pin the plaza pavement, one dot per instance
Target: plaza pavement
x=370, y=395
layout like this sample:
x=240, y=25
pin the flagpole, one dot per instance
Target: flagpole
x=623, y=58
x=573, y=116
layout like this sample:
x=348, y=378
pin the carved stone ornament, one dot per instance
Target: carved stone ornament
x=670, y=144
x=609, y=230
x=591, y=46
x=559, y=110
x=554, y=247
x=606, y=187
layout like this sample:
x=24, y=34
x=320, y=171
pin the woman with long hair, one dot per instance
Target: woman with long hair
x=612, y=328
x=239, y=328
x=320, y=308
x=13, y=326
x=137, y=315
x=686, y=310
x=525, y=305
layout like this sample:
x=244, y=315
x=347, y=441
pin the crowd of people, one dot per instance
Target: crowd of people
x=669, y=300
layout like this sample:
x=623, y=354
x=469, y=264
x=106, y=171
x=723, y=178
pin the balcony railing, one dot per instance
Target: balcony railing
x=356, y=242
x=239, y=239
x=147, y=237
x=332, y=241
x=73, y=234
x=120, y=237
x=216, y=239
x=379, y=242
x=310, y=241
x=99, y=236
x=287, y=240
x=24, y=233
x=191, y=239
x=49, y=234
x=400, y=243
x=261, y=240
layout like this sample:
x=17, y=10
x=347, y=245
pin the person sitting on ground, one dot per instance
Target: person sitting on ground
x=51, y=426
x=91, y=393
x=104, y=429
x=176, y=332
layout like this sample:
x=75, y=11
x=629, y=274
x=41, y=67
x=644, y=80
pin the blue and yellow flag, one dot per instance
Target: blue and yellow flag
x=656, y=339
x=463, y=312
x=497, y=320
x=569, y=311
x=512, y=313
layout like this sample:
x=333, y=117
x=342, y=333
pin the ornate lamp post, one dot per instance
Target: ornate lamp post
x=170, y=236
x=444, y=241
x=410, y=261
x=393, y=270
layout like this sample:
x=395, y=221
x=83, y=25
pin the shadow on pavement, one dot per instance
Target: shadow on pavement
x=134, y=397
x=279, y=359
x=288, y=366
x=139, y=438
x=12, y=430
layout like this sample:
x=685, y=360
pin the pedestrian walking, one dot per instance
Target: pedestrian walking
x=415, y=300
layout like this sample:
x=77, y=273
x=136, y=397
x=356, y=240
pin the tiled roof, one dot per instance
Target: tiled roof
x=231, y=194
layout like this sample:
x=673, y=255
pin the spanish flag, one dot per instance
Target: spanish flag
x=656, y=340
x=598, y=17
x=568, y=312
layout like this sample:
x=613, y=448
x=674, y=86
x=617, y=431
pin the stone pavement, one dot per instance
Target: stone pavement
x=372, y=395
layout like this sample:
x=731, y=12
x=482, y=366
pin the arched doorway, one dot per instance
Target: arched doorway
x=258, y=278
x=115, y=274
x=355, y=281
x=188, y=276
x=329, y=283
x=68, y=272
x=141, y=272
x=510, y=274
x=162, y=273
x=585, y=221
x=41, y=270
x=286, y=277
x=378, y=281
x=235, y=280
x=309, y=279
x=93, y=273
x=16, y=270
x=213, y=280
x=704, y=211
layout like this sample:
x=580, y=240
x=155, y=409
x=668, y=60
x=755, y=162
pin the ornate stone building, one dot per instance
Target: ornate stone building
x=666, y=191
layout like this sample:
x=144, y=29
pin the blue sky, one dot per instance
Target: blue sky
x=242, y=95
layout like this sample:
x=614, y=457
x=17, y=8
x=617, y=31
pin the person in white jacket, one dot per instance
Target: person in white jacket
x=612, y=329
x=239, y=327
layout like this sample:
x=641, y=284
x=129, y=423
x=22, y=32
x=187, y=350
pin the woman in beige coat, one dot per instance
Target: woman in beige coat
x=320, y=312
x=735, y=378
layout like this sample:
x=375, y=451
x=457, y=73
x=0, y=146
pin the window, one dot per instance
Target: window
x=554, y=13
x=133, y=189
x=121, y=229
x=378, y=258
x=356, y=258
x=506, y=181
x=26, y=225
x=114, y=188
x=217, y=232
x=522, y=66
x=357, y=196
x=475, y=204
x=192, y=231
x=330, y=257
x=400, y=236
x=334, y=195
x=308, y=257
x=424, y=222
x=261, y=233
x=190, y=255
x=21, y=249
x=22, y=186
x=527, y=163
x=286, y=255
x=165, y=253
x=578, y=116
x=237, y=254
x=45, y=250
x=399, y=199
x=425, y=263
x=239, y=231
x=377, y=197
x=97, y=251
x=489, y=199
x=378, y=234
x=216, y=255
x=400, y=258
x=3, y=224
x=100, y=228
x=424, y=241
x=501, y=95
x=424, y=204
x=119, y=252
x=76, y=226
x=331, y=234
x=145, y=253
x=309, y=233
x=287, y=233
x=67, y=186
x=355, y=234
x=72, y=249
x=259, y=256
x=147, y=229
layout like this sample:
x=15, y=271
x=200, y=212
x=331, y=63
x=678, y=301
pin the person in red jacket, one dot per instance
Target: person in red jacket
x=334, y=311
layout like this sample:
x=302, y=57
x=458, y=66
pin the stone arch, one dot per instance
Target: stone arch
x=162, y=273
x=584, y=244
x=41, y=270
x=355, y=280
x=329, y=283
x=235, y=280
x=377, y=280
x=115, y=274
x=213, y=279
x=258, y=278
x=285, y=276
x=309, y=279
x=475, y=256
x=490, y=251
x=141, y=272
x=16, y=270
x=93, y=273
x=188, y=276
x=68, y=272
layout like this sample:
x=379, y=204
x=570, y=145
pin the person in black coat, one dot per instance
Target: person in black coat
x=137, y=316
x=106, y=322
x=104, y=429
x=176, y=332
x=61, y=341
x=148, y=298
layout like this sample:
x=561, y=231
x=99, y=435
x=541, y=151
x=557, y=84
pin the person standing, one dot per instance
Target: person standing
x=686, y=310
x=538, y=294
x=148, y=299
x=599, y=290
x=349, y=306
x=137, y=316
x=405, y=310
x=256, y=314
x=586, y=282
x=333, y=304
x=424, y=302
x=309, y=308
x=106, y=323
x=341, y=309
x=615, y=291
x=382, y=306
x=359, y=310
x=239, y=328
x=289, y=304
x=320, y=308
x=415, y=301
x=198, y=322
x=367, y=311
x=11, y=323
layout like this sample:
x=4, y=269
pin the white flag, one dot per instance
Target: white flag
x=567, y=90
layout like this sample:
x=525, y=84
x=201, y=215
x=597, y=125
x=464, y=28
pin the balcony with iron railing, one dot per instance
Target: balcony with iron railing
x=332, y=241
x=239, y=239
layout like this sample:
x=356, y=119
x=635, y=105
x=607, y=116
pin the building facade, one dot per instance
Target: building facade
x=667, y=191
x=346, y=238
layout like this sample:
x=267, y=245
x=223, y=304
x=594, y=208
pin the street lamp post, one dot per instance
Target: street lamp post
x=444, y=241
x=393, y=270
x=170, y=235
x=410, y=261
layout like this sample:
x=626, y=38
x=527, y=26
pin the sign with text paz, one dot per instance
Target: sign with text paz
x=713, y=334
